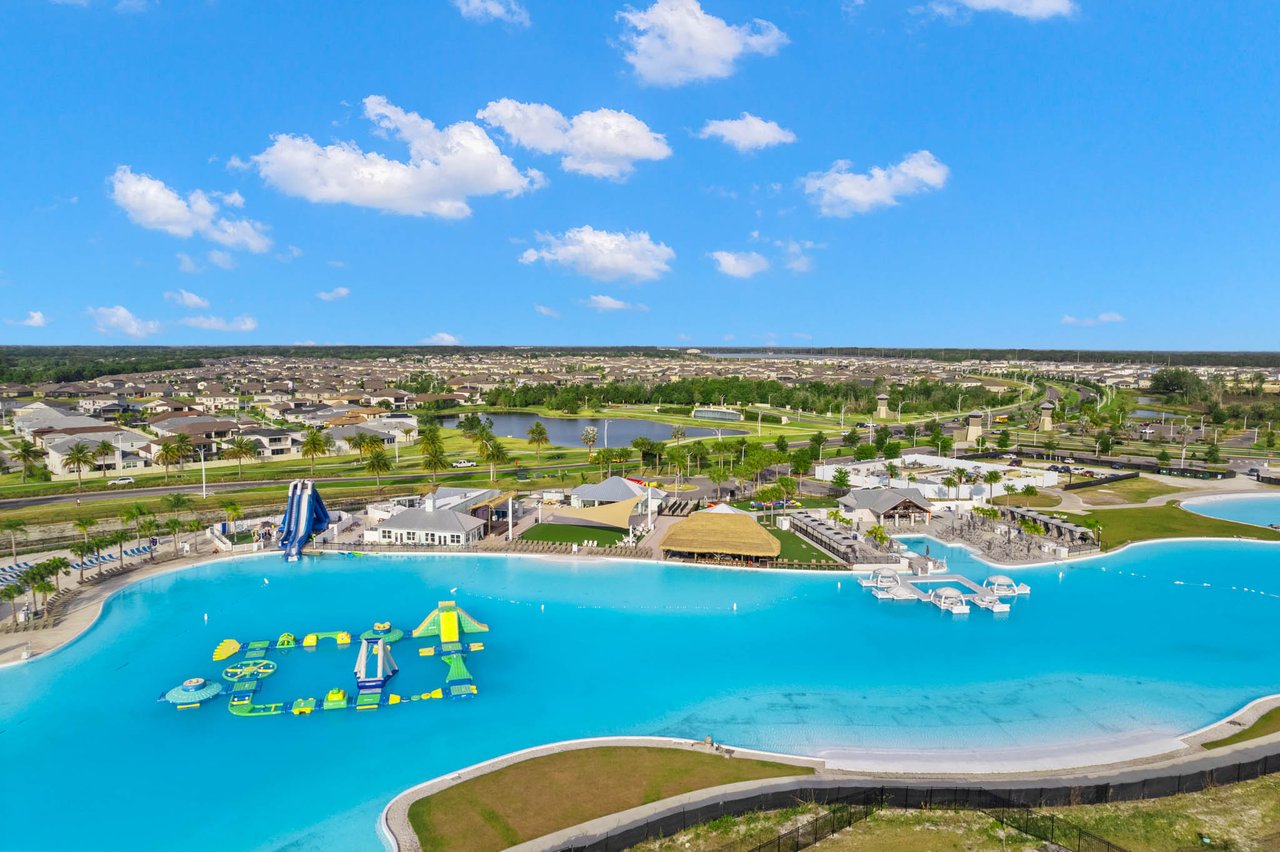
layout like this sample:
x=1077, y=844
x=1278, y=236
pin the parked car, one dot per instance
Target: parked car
x=1117, y=467
x=121, y=480
x=1068, y=460
x=1009, y=456
x=1015, y=462
x=1253, y=471
x=464, y=463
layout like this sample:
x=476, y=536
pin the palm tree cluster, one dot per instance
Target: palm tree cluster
x=36, y=581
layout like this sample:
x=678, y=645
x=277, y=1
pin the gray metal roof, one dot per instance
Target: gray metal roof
x=615, y=489
x=438, y=521
x=881, y=500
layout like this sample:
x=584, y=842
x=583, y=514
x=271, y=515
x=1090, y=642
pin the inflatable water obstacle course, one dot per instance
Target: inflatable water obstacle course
x=249, y=664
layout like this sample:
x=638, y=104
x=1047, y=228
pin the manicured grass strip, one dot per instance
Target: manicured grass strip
x=1122, y=526
x=1034, y=501
x=570, y=534
x=1268, y=723
x=536, y=797
x=1137, y=490
x=797, y=549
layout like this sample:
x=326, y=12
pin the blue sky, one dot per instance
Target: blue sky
x=1077, y=173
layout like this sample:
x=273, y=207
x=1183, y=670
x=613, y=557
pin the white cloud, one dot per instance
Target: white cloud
x=445, y=167
x=442, y=338
x=547, y=312
x=222, y=259
x=152, y=204
x=796, y=253
x=333, y=295
x=231, y=199
x=209, y=323
x=840, y=192
x=34, y=319
x=599, y=143
x=336, y=264
x=187, y=265
x=748, y=133
x=1101, y=319
x=742, y=264
x=130, y=7
x=1036, y=10
x=608, y=303
x=120, y=320
x=604, y=255
x=186, y=299
x=675, y=42
x=290, y=254
x=493, y=10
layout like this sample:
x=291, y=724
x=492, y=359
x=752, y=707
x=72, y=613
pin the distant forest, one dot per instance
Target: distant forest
x=35, y=364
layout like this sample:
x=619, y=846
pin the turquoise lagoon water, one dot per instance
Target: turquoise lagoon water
x=1148, y=643
x=1262, y=510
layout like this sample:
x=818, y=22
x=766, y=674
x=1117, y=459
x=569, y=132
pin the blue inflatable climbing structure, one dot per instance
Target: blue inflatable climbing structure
x=304, y=516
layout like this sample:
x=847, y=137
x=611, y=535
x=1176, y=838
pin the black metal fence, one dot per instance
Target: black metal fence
x=1086, y=482
x=1013, y=806
x=856, y=808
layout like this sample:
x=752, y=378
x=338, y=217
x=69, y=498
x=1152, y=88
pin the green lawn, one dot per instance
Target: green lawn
x=536, y=797
x=1034, y=501
x=1268, y=723
x=1137, y=490
x=797, y=549
x=570, y=534
x=1122, y=526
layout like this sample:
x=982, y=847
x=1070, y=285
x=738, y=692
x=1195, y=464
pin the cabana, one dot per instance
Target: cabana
x=710, y=535
x=611, y=515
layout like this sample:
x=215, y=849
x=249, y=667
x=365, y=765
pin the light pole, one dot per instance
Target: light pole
x=204, y=490
x=900, y=410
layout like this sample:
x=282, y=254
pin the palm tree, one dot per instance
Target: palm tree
x=27, y=455
x=28, y=580
x=78, y=458
x=538, y=437
x=182, y=442
x=677, y=433
x=698, y=453
x=316, y=443
x=589, y=435
x=378, y=463
x=118, y=538
x=84, y=525
x=45, y=588
x=13, y=526
x=432, y=447
x=176, y=502
x=194, y=526
x=891, y=470
x=240, y=448
x=718, y=477
x=232, y=510
x=10, y=594
x=493, y=453
x=133, y=515
x=148, y=527
x=56, y=566
x=878, y=536
x=992, y=478
x=174, y=526
x=82, y=550
x=103, y=451
x=950, y=482
x=168, y=455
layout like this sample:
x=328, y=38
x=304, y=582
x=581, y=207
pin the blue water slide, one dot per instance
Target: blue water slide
x=304, y=516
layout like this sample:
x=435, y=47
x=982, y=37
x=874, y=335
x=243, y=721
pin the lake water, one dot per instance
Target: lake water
x=1117, y=655
x=1262, y=510
x=567, y=431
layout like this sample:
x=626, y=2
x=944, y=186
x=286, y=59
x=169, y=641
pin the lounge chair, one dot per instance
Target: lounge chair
x=26, y=566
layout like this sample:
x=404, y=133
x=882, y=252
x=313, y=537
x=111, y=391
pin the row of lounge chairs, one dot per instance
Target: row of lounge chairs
x=10, y=573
